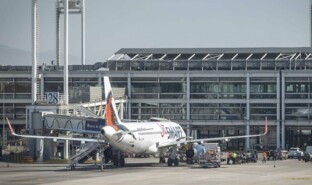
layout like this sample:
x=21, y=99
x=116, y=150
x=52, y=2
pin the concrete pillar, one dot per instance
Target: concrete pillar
x=278, y=134
x=36, y=148
x=194, y=134
x=66, y=149
x=99, y=79
x=39, y=150
x=188, y=130
x=49, y=149
x=247, y=141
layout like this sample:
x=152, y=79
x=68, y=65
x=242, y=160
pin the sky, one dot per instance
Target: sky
x=115, y=24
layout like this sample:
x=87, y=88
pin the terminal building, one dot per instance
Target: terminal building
x=211, y=92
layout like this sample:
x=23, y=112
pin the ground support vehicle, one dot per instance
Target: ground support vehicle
x=295, y=153
x=307, y=154
x=278, y=154
x=281, y=154
x=211, y=157
x=251, y=156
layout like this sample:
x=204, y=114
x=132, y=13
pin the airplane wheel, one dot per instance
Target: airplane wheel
x=169, y=162
x=115, y=161
x=162, y=160
x=122, y=162
x=106, y=160
x=176, y=162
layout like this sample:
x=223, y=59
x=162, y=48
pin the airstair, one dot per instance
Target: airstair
x=85, y=152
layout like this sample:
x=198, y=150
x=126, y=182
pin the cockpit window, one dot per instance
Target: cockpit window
x=122, y=127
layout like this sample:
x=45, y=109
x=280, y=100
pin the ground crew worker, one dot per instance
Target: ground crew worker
x=229, y=157
x=256, y=155
x=264, y=155
x=234, y=155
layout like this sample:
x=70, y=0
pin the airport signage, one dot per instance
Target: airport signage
x=95, y=125
x=53, y=97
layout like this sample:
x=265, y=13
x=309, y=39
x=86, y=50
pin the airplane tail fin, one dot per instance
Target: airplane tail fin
x=112, y=117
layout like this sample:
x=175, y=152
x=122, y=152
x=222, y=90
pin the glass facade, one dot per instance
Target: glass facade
x=158, y=88
x=171, y=111
x=12, y=91
x=218, y=111
x=226, y=89
x=263, y=88
x=218, y=88
x=298, y=88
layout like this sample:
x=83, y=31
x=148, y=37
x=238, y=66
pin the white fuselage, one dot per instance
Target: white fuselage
x=145, y=141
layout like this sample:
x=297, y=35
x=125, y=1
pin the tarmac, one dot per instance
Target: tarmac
x=147, y=171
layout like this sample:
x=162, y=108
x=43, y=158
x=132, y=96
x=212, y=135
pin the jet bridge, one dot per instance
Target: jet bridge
x=62, y=124
x=57, y=122
x=56, y=119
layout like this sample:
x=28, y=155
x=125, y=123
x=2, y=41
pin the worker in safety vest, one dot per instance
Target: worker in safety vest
x=234, y=156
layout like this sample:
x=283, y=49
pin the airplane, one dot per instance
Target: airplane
x=154, y=136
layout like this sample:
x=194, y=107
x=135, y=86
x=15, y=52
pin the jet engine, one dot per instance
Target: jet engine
x=194, y=152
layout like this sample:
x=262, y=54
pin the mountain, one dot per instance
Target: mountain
x=13, y=56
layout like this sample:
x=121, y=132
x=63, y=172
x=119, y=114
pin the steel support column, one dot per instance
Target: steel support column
x=188, y=111
x=247, y=140
x=34, y=7
x=278, y=112
x=66, y=51
x=283, y=111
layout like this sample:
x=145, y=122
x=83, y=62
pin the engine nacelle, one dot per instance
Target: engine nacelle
x=195, y=151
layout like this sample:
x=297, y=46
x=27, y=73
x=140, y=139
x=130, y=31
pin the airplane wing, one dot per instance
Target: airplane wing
x=177, y=142
x=139, y=130
x=80, y=131
x=52, y=137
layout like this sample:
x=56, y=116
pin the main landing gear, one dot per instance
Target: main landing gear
x=116, y=156
x=174, y=161
x=173, y=158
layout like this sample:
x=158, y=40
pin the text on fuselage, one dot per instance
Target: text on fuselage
x=174, y=132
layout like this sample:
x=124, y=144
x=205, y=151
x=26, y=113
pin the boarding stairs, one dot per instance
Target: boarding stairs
x=85, y=152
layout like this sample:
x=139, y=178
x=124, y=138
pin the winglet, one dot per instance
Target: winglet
x=265, y=126
x=10, y=126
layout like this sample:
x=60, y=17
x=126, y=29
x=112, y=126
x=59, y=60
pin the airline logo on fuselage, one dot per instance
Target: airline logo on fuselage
x=163, y=130
x=174, y=132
